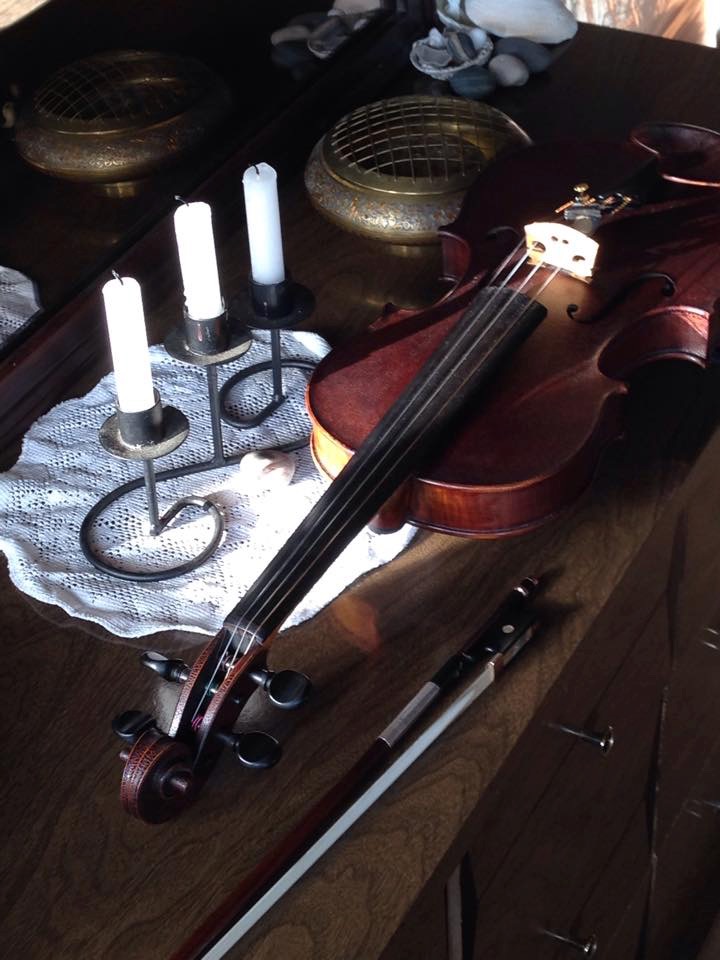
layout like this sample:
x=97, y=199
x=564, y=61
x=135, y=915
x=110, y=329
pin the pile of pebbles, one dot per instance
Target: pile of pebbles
x=474, y=62
x=310, y=37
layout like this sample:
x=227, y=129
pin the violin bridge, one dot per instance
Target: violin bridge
x=558, y=245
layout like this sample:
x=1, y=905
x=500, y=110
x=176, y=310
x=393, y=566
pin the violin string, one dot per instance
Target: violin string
x=260, y=601
x=366, y=477
x=246, y=629
x=485, y=311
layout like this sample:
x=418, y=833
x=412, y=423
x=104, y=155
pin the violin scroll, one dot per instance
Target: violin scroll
x=158, y=779
x=164, y=772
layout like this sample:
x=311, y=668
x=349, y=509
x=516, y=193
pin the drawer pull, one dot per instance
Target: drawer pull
x=713, y=640
x=588, y=948
x=605, y=741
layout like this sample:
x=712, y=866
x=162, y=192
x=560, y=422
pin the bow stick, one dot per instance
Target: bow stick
x=501, y=637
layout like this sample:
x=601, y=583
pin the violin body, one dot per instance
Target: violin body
x=529, y=445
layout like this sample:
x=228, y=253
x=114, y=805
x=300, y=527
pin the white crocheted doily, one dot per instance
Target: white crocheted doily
x=18, y=302
x=63, y=471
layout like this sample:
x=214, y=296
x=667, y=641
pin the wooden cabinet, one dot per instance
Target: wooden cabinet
x=575, y=848
x=686, y=895
x=594, y=806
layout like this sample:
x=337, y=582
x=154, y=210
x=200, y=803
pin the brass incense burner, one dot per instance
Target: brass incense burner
x=398, y=169
x=118, y=117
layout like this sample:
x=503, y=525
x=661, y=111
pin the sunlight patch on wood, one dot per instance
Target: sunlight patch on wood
x=13, y=10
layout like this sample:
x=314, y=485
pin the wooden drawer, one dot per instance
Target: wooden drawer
x=423, y=933
x=695, y=574
x=711, y=945
x=597, y=663
x=615, y=913
x=691, y=724
x=592, y=802
x=686, y=897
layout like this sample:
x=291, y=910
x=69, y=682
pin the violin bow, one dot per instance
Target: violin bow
x=503, y=635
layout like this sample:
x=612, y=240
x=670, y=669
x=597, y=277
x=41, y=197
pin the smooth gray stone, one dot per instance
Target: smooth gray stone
x=535, y=57
x=475, y=83
x=509, y=71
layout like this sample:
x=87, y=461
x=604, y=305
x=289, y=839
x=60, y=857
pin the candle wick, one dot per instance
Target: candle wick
x=182, y=200
x=255, y=168
x=116, y=275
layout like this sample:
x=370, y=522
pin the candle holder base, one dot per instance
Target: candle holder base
x=273, y=307
x=276, y=364
x=173, y=432
x=168, y=428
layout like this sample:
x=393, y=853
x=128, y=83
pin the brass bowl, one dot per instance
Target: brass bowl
x=398, y=169
x=120, y=116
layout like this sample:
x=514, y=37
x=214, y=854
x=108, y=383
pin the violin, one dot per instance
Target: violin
x=483, y=415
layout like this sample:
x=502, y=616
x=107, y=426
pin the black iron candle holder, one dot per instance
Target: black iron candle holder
x=156, y=432
x=147, y=435
x=273, y=307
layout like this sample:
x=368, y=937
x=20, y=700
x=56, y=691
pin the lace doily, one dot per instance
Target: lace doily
x=18, y=302
x=63, y=471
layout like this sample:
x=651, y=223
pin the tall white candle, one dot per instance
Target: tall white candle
x=263, y=224
x=128, y=344
x=198, y=262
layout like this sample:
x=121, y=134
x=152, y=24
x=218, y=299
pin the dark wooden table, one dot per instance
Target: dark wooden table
x=81, y=879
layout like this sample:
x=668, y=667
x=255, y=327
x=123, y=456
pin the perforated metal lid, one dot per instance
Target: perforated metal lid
x=418, y=144
x=120, y=116
x=120, y=90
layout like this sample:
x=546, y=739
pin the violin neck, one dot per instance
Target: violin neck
x=492, y=326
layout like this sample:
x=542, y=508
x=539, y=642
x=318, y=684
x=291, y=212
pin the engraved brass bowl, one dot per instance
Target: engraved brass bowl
x=120, y=116
x=398, y=169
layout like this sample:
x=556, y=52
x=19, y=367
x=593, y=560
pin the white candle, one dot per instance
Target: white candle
x=263, y=224
x=128, y=344
x=198, y=263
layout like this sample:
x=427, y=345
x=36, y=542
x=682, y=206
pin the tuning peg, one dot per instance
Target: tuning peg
x=286, y=689
x=176, y=671
x=254, y=749
x=131, y=724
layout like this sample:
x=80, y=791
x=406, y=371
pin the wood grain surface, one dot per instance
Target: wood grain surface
x=80, y=879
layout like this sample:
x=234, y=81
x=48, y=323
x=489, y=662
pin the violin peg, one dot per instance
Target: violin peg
x=130, y=724
x=254, y=749
x=287, y=689
x=174, y=671
x=257, y=750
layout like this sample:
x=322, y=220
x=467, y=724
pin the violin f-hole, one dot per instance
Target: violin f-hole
x=668, y=290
